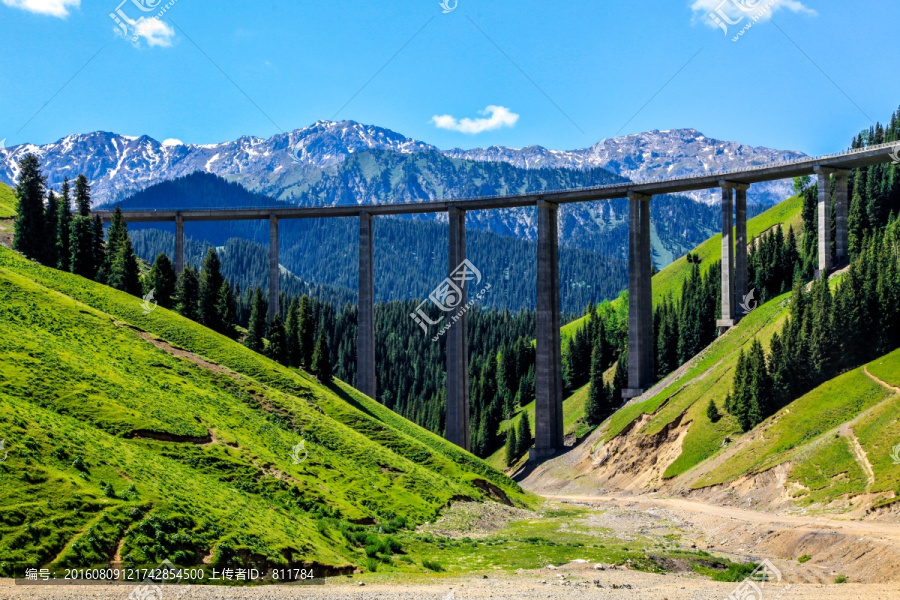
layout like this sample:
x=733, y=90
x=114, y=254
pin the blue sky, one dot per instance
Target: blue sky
x=561, y=75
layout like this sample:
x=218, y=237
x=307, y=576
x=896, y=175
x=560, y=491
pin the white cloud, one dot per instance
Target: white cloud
x=172, y=142
x=155, y=32
x=738, y=9
x=54, y=8
x=495, y=117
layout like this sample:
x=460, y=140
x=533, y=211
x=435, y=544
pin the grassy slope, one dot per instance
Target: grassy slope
x=807, y=432
x=7, y=202
x=670, y=279
x=78, y=380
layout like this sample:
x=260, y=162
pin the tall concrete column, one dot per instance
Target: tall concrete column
x=274, y=283
x=640, y=299
x=548, y=416
x=729, y=305
x=824, y=215
x=179, y=244
x=365, y=339
x=740, y=245
x=841, y=235
x=458, y=342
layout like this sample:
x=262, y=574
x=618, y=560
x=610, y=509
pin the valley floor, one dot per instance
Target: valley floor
x=866, y=552
x=567, y=583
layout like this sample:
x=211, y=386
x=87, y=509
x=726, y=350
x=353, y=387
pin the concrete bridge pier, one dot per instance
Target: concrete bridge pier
x=740, y=246
x=729, y=305
x=841, y=210
x=734, y=253
x=179, y=244
x=457, y=341
x=548, y=414
x=274, y=283
x=365, y=338
x=824, y=216
x=641, y=355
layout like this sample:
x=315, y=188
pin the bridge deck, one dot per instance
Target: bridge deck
x=757, y=174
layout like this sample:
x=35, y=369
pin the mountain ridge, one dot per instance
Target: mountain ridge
x=118, y=165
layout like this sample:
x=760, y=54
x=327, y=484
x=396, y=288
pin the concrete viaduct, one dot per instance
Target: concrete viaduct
x=549, y=395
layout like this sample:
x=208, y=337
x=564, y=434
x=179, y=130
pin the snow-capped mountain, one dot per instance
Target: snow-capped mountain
x=643, y=156
x=120, y=165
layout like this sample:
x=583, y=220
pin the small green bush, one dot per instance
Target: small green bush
x=432, y=565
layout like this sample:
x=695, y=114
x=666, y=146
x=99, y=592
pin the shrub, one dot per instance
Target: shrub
x=712, y=412
x=432, y=565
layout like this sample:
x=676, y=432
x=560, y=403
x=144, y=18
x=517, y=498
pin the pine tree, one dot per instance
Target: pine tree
x=277, y=349
x=321, y=360
x=83, y=196
x=187, y=293
x=124, y=273
x=256, y=330
x=225, y=308
x=597, y=400
x=81, y=243
x=821, y=342
x=523, y=434
x=712, y=412
x=512, y=446
x=577, y=359
x=525, y=394
x=51, y=225
x=810, y=239
x=306, y=326
x=161, y=280
x=120, y=268
x=98, y=248
x=64, y=228
x=620, y=379
x=29, y=236
x=115, y=239
x=740, y=397
x=857, y=219
x=211, y=281
x=292, y=333
x=754, y=399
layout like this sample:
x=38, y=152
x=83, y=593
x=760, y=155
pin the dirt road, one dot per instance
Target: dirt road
x=864, y=551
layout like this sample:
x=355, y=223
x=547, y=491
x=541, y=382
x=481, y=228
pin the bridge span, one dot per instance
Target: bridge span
x=548, y=386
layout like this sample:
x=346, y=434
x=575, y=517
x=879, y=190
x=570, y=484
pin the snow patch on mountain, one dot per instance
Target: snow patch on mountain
x=119, y=165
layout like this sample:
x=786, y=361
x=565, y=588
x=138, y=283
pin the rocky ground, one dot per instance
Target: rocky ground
x=571, y=581
x=863, y=551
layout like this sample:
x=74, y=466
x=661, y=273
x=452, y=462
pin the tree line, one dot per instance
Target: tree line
x=47, y=230
x=829, y=331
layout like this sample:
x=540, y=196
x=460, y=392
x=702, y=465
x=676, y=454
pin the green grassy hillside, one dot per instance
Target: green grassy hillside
x=836, y=439
x=122, y=426
x=670, y=279
x=7, y=202
x=811, y=433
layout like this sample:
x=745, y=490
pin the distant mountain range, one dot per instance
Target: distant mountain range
x=284, y=165
x=348, y=163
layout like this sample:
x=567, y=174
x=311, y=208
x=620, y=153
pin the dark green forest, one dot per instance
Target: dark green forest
x=225, y=293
